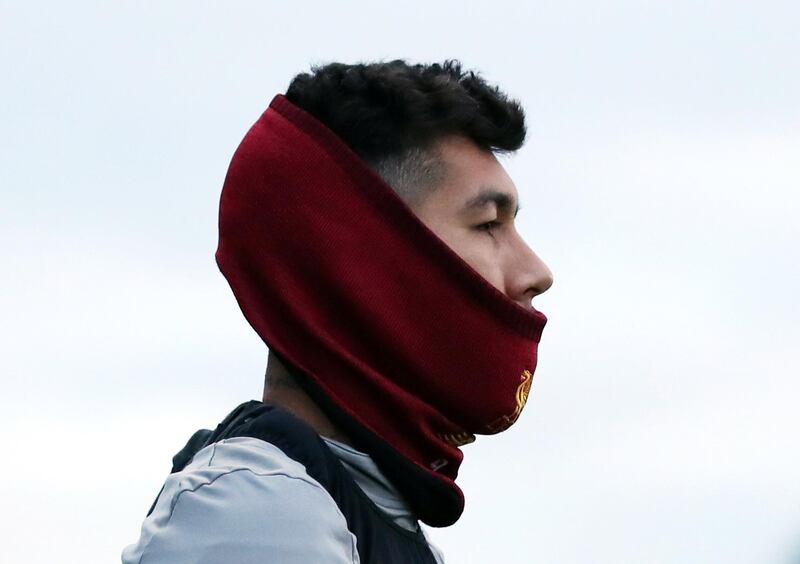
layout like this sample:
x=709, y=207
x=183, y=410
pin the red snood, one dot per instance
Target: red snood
x=399, y=340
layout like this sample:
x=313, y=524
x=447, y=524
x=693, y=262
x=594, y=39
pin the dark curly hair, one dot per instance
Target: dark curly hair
x=392, y=113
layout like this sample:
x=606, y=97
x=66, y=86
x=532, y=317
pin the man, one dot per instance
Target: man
x=367, y=232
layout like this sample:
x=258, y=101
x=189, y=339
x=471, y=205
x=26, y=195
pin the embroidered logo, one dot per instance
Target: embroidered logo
x=523, y=390
x=458, y=439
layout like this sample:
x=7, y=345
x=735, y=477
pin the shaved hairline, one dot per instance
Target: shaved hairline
x=413, y=174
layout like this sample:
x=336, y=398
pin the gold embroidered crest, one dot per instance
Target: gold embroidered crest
x=523, y=390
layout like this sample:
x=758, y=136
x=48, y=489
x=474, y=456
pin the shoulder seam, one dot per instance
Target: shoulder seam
x=259, y=474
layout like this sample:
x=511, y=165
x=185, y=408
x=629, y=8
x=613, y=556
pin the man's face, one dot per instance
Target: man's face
x=473, y=210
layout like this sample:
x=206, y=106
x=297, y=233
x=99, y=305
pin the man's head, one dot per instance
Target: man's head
x=405, y=320
x=431, y=132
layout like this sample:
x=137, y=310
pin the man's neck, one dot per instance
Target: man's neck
x=282, y=390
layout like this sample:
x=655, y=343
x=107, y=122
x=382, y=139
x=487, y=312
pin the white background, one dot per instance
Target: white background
x=659, y=182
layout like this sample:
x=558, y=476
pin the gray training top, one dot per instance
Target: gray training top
x=243, y=500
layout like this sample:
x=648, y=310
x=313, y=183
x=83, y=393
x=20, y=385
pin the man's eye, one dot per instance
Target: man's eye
x=488, y=226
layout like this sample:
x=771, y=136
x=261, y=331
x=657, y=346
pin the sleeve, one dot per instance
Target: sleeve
x=248, y=518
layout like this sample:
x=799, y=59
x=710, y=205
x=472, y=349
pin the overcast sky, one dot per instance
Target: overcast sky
x=660, y=182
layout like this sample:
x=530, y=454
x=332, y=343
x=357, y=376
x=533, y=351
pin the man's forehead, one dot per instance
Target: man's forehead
x=474, y=179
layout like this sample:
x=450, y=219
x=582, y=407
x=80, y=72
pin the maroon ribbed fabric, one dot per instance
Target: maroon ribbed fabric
x=340, y=278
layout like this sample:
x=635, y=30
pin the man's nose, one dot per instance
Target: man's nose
x=528, y=275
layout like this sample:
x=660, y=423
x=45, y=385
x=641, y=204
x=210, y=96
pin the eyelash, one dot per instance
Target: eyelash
x=488, y=226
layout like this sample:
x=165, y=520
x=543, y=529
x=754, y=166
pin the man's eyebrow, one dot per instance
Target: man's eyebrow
x=502, y=200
